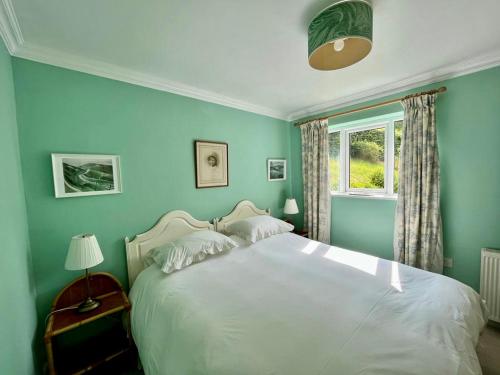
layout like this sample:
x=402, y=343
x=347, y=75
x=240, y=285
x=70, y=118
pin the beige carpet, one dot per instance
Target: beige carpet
x=488, y=350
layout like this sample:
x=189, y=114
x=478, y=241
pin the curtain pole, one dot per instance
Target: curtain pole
x=377, y=105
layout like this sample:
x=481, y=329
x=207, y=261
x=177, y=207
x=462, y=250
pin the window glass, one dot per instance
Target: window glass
x=359, y=162
x=334, y=144
x=398, y=130
x=366, y=159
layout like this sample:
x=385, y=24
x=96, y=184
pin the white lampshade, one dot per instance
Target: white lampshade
x=291, y=207
x=84, y=252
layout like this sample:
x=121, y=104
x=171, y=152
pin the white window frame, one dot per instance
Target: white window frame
x=387, y=122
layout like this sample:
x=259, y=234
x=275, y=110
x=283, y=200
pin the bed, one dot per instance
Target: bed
x=289, y=305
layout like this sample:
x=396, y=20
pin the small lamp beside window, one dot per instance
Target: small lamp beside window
x=290, y=207
x=83, y=253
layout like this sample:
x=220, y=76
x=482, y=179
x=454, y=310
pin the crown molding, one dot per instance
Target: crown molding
x=9, y=27
x=16, y=46
x=115, y=72
x=469, y=66
x=12, y=36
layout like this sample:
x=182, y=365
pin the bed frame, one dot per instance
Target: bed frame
x=171, y=226
x=242, y=210
x=176, y=224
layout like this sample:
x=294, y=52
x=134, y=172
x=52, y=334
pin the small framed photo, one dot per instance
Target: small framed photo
x=77, y=175
x=211, y=164
x=276, y=169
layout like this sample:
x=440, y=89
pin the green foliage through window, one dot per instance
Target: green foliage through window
x=364, y=149
x=366, y=159
x=398, y=131
x=334, y=145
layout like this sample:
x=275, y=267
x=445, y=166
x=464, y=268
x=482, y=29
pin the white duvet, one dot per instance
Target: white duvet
x=287, y=305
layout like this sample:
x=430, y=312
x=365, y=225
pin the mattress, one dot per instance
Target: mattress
x=288, y=305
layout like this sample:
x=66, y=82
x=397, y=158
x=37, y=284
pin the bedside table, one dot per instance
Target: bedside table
x=302, y=233
x=98, y=349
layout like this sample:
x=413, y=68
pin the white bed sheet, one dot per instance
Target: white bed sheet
x=287, y=305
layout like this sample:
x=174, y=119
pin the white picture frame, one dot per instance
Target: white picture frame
x=100, y=175
x=276, y=169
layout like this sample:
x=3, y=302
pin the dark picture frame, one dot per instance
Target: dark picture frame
x=211, y=164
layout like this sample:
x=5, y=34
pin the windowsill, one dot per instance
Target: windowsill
x=365, y=196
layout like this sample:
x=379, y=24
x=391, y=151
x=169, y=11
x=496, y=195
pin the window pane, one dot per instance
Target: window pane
x=366, y=159
x=334, y=144
x=398, y=129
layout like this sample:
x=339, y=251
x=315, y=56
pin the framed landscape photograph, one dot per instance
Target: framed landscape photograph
x=77, y=175
x=276, y=169
x=211, y=164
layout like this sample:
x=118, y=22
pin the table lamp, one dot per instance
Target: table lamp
x=290, y=207
x=83, y=253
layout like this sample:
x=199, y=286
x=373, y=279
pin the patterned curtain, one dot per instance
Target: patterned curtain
x=315, y=171
x=417, y=232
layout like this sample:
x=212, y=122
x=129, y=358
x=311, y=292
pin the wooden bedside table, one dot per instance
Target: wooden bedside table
x=302, y=233
x=96, y=350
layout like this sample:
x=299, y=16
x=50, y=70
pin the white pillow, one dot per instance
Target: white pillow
x=188, y=249
x=257, y=228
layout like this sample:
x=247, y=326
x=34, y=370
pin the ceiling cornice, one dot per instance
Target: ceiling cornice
x=11, y=34
x=9, y=27
x=469, y=66
x=14, y=41
x=102, y=69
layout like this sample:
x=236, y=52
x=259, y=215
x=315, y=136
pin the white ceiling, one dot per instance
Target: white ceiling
x=252, y=54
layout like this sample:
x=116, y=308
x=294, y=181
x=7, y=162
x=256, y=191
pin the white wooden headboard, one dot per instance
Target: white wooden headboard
x=242, y=210
x=171, y=226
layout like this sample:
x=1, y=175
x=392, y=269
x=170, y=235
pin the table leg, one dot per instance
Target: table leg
x=50, y=356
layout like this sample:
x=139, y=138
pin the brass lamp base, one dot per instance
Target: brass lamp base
x=88, y=305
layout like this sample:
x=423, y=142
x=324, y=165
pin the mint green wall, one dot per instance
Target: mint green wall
x=17, y=291
x=65, y=111
x=468, y=122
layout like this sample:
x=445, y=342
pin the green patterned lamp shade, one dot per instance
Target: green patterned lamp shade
x=341, y=35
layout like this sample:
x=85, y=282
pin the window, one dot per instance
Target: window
x=398, y=129
x=334, y=144
x=364, y=156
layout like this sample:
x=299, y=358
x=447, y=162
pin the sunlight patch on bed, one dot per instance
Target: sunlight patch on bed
x=395, y=280
x=362, y=262
x=311, y=247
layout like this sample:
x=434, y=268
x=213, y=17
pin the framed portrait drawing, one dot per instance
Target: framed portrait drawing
x=211, y=164
x=77, y=175
x=276, y=169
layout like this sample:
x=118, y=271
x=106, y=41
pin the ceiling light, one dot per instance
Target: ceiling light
x=348, y=25
x=338, y=45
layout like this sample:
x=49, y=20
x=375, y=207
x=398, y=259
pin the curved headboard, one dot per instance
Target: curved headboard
x=171, y=226
x=242, y=210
